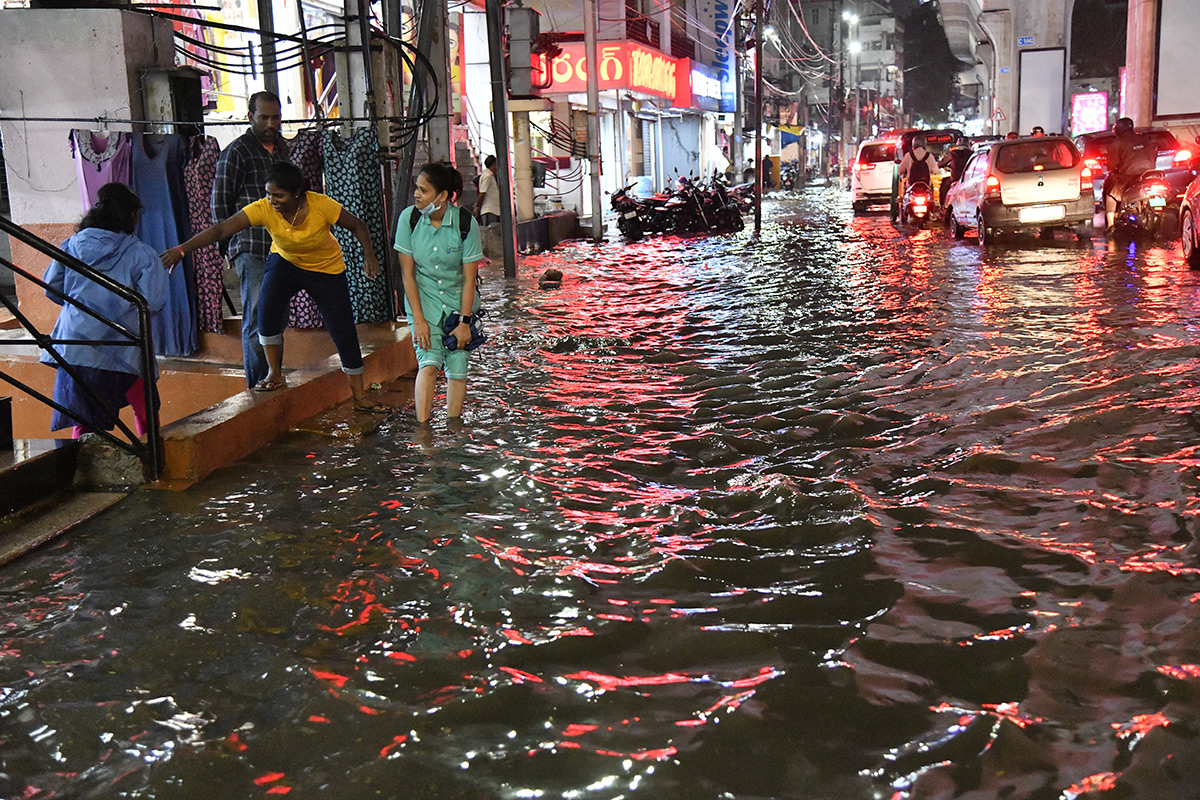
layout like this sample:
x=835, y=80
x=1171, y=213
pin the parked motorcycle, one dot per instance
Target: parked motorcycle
x=790, y=176
x=918, y=207
x=630, y=213
x=1148, y=208
x=689, y=206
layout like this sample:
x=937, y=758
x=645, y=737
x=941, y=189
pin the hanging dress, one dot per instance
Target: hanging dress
x=352, y=177
x=198, y=175
x=305, y=152
x=158, y=181
x=100, y=158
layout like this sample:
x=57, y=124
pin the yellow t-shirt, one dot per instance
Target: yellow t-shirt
x=310, y=245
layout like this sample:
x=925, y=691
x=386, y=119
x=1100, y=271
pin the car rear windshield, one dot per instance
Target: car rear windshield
x=874, y=153
x=1029, y=155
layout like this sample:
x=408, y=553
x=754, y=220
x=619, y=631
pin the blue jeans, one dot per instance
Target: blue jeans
x=331, y=293
x=250, y=273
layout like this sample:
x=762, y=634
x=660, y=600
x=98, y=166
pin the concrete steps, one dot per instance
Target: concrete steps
x=50, y=518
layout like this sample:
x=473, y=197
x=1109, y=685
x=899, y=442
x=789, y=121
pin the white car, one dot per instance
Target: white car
x=1037, y=183
x=871, y=173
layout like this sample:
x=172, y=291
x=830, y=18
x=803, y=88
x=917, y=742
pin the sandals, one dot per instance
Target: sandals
x=269, y=386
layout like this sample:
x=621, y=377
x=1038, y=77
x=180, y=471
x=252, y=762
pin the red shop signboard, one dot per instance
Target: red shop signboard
x=623, y=65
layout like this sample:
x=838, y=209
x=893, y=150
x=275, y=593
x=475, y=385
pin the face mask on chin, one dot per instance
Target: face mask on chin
x=428, y=210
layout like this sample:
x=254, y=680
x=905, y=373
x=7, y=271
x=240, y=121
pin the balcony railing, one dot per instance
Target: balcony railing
x=682, y=46
x=641, y=29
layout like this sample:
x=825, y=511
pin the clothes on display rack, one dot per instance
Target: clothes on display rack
x=158, y=181
x=100, y=157
x=304, y=150
x=198, y=175
x=352, y=177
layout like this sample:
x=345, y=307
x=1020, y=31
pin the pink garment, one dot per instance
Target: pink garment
x=100, y=158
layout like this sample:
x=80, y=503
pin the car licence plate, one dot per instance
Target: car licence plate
x=1158, y=202
x=630, y=214
x=1041, y=213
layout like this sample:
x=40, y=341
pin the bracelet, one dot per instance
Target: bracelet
x=181, y=253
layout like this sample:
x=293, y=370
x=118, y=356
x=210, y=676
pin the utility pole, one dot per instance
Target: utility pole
x=758, y=120
x=266, y=24
x=736, y=148
x=508, y=231
x=441, y=140
x=593, y=115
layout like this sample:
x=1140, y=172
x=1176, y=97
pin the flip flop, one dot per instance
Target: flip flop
x=377, y=409
x=269, y=386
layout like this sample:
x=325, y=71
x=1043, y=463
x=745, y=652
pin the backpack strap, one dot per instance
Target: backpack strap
x=464, y=222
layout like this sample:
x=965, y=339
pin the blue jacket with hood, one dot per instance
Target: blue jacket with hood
x=125, y=259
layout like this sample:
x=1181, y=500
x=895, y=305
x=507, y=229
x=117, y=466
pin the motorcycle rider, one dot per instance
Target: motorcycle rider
x=1129, y=156
x=918, y=165
x=956, y=159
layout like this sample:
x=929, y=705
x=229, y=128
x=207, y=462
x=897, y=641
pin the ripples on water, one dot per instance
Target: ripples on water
x=838, y=514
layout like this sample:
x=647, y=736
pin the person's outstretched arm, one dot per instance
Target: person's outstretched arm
x=218, y=232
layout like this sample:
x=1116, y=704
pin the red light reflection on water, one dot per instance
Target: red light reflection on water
x=1140, y=726
x=1100, y=782
x=1183, y=672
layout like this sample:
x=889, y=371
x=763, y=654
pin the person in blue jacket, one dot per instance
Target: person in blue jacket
x=439, y=266
x=105, y=241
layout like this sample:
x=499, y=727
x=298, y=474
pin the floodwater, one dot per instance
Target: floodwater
x=841, y=513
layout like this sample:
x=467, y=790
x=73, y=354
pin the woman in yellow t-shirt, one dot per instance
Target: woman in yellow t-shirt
x=304, y=255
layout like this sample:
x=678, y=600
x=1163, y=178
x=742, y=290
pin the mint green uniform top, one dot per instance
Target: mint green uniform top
x=438, y=256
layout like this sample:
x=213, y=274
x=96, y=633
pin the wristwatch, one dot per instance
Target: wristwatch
x=465, y=320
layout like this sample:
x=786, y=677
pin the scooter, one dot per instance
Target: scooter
x=1147, y=208
x=918, y=207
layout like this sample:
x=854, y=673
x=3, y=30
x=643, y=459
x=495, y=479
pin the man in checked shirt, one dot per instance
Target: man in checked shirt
x=241, y=179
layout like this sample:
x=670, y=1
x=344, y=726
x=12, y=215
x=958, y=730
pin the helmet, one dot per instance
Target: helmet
x=1123, y=125
x=918, y=141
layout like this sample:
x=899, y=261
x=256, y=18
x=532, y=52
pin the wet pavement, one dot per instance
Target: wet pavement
x=845, y=512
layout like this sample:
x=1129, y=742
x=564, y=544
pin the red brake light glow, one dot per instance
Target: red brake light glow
x=993, y=186
x=1085, y=180
x=1182, y=156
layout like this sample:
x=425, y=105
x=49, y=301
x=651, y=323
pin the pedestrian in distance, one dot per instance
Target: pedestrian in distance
x=304, y=255
x=487, y=205
x=1038, y=130
x=1012, y=135
x=240, y=180
x=105, y=240
x=440, y=253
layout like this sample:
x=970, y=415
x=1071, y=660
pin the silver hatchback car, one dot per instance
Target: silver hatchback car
x=1039, y=183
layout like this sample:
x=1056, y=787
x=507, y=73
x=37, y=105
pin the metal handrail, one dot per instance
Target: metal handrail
x=150, y=452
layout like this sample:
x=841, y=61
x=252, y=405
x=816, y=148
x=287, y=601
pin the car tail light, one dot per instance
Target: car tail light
x=1182, y=156
x=992, y=186
x=1085, y=180
x=1158, y=187
x=862, y=165
x=1091, y=163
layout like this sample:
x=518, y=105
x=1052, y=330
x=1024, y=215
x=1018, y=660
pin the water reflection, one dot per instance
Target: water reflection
x=838, y=513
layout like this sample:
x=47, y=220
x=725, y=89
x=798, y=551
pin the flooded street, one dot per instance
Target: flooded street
x=845, y=512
